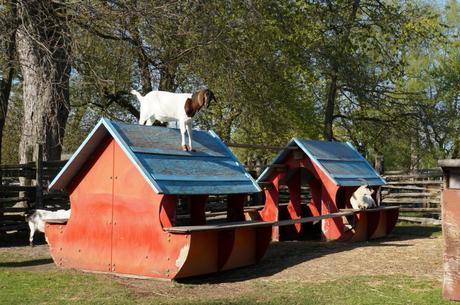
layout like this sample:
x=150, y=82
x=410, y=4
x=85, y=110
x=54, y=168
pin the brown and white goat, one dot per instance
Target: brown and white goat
x=167, y=107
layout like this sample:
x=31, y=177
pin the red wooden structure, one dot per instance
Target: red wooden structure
x=451, y=228
x=124, y=183
x=332, y=171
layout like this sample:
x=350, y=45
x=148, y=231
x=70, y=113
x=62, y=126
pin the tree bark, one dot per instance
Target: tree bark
x=168, y=78
x=42, y=44
x=167, y=83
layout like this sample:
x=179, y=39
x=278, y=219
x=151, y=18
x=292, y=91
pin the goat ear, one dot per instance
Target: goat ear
x=189, y=111
x=202, y=98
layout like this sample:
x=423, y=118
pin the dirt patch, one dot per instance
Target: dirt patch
x=296, y=261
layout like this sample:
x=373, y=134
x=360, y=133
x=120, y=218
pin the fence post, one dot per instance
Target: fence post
x=39, y=177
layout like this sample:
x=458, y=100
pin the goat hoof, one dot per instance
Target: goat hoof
x=192, y=150
x=184, y=147
x=32, y=244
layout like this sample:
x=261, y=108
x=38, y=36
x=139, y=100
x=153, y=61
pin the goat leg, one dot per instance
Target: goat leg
x=185, y=147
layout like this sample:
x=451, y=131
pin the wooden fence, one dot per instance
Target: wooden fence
x=418, y=193
x=17, y=199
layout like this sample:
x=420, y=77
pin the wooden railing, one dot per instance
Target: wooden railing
x=418, y=193
x=17, y=199
x=417, y=190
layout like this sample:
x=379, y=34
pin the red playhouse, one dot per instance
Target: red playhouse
x=125, y=182
x=331, y=171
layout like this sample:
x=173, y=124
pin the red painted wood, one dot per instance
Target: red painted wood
x=332, y=228
x=85, y=242
x=451, y=255
x=168, y=206
x=294, y=205
x=270, y=210
x=117, y=226
x=315, y=202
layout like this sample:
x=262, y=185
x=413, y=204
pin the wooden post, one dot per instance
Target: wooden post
x=39, y=177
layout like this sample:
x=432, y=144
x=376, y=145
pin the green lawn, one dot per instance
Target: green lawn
x=72, y=287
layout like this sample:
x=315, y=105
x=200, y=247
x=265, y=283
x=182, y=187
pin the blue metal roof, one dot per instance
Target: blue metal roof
x=341, y=162
x=155, y=151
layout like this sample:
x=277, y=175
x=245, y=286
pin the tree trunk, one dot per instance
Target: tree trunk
x=146, y=79
x=332, y=90
x=42, y=43
x=167, y=78
x=167, y=83
x=330, y=105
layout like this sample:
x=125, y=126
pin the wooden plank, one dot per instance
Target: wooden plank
x=431, y=210
x=19, y=173
x=288, y=222
x=13, y=199
x=409, y=201
x=421, y=220
x=13, y=227
x=410, y=188
x=402, y=194
x=380, y=208
x=409, y=176
x=12, y=209
x=415, y=182
x=17, y=188
x=17, y=166
x=219, y=227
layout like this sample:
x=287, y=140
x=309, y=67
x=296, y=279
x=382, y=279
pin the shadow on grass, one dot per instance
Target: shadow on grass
x=283, y=255
x=20, y=239
x=409, y=231
x=35, y=262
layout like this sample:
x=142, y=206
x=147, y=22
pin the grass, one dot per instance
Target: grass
x=72, y=287
x=408, y=229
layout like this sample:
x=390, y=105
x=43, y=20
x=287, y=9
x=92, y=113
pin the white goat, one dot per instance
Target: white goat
x=37, y=220
x=362, y=198
x=166, y=107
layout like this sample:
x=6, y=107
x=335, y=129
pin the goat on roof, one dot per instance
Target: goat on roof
x=167, y=107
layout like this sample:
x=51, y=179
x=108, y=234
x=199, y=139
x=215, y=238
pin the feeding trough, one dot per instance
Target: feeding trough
x=124, y=182
x=331, y=171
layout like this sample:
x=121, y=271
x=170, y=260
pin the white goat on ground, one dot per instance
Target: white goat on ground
x=37, y=220
x=362, y=198
x=166, y=107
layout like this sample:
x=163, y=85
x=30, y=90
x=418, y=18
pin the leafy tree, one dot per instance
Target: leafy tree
x=8, y=21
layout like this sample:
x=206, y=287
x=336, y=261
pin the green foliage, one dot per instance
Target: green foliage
x=389, y=68
x=12, y=130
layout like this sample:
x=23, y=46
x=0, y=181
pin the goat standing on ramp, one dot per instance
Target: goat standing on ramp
x=167, y=107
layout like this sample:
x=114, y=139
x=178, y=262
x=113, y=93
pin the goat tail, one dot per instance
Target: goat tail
x=137, y=94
